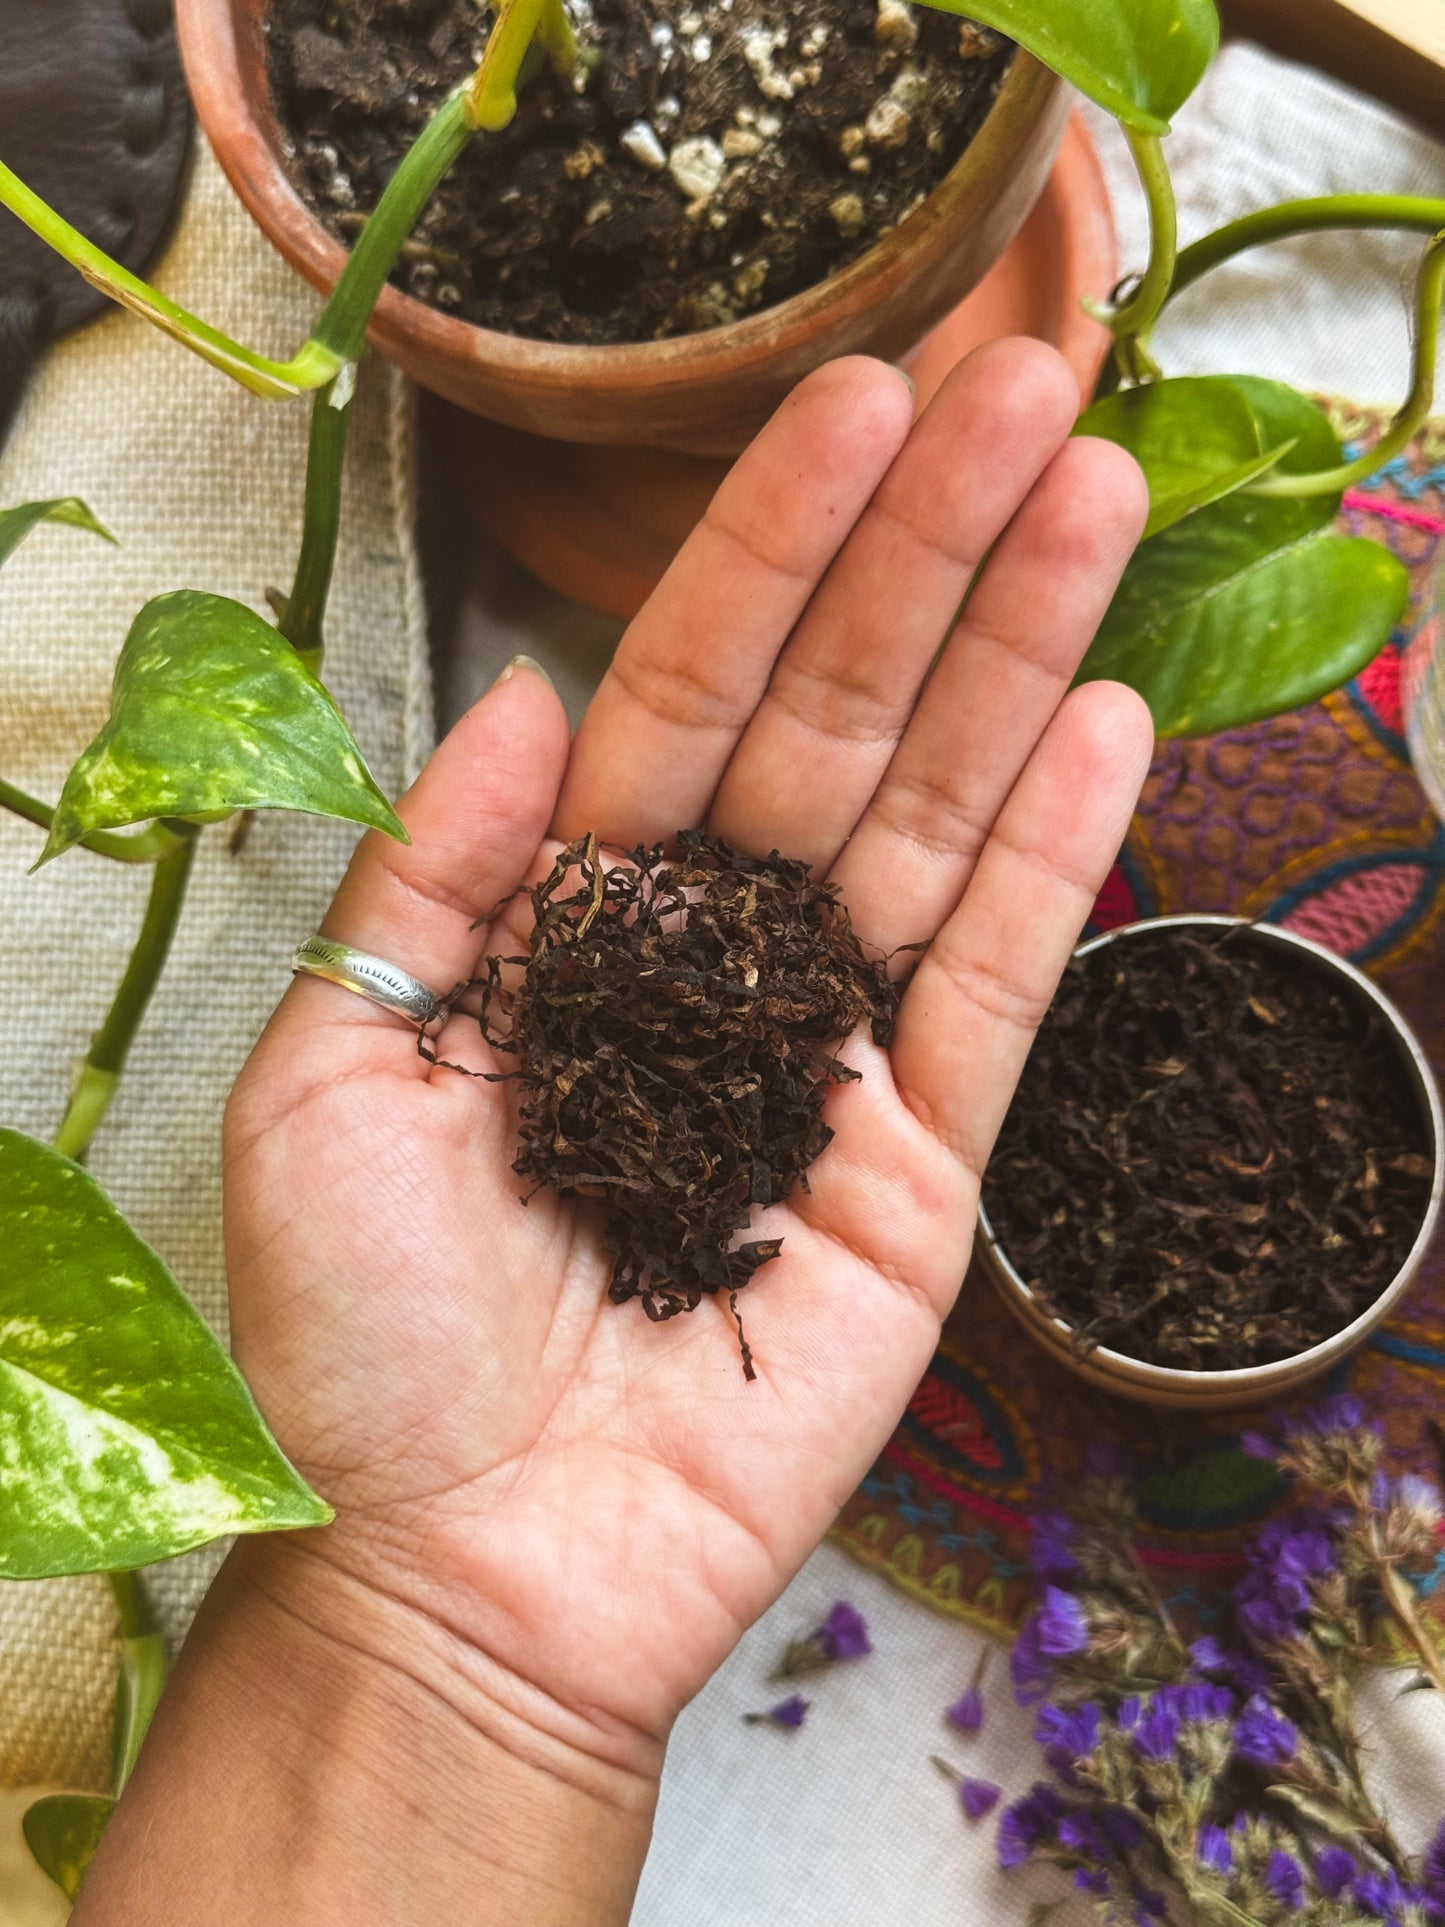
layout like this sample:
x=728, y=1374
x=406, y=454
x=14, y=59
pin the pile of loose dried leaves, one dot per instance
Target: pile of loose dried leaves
x=674, y=1028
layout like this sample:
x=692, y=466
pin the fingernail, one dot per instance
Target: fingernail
x=904, y=376
x=525, y=662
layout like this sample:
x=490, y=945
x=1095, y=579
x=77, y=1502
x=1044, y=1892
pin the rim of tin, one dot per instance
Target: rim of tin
x=1241, y=1384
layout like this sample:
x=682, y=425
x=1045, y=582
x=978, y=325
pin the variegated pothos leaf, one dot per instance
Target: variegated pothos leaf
x=126, y=1433
x=212, y=711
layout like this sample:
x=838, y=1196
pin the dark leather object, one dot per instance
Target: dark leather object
x=94, y=117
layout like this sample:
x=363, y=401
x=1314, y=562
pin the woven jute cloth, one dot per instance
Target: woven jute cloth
x=201, y=483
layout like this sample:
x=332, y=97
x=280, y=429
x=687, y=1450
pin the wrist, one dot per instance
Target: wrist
x=327, y=1753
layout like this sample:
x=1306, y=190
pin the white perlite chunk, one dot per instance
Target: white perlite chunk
x=813, y=42
x=909, y=88
x=740, y=144
x=643, y=145
x=759, y=46
x=697, y=166
x=894, y=24
x=847, y=213
x=887, y=124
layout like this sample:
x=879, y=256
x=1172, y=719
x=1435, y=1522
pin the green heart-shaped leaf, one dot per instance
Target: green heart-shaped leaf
x=1252, y=605
x=211, y=712
x=1196, y=438
x=1139, y=59
x=16, y=523
x=63, y=1831
x=128, y=1434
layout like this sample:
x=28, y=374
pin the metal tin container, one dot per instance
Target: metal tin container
x=1205, y=1391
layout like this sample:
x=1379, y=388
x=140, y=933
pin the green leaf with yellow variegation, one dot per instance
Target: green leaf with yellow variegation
x=212, y=712
x=126, y=1433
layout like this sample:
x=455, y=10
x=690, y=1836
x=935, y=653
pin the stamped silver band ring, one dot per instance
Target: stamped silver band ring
x=371, y=977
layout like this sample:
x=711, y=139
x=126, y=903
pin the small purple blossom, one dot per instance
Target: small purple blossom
x=1079, y=1832
x=1266, y=1622
x=1284, y=1878
x=1070, y=1732
x=843, y=1634
x=1208, y=1655
x=1130, y=1712
x=1335, y=1868
x=1051, y=1546
x=1262, y=1736
x=978, y=1798
x=966, y=1712
x=1063, y=1624
x=1384, y=1894
x=1215, y=1851
x=1432, y=1871
x=1122, y=1829
x=1196, y=1701
x=1028, y=1823
x=1342, y=1412
x=1157, y=1733
x=1091, y=1880
x=790, y=1712
x=1258, y=1445
x=1029, y=1671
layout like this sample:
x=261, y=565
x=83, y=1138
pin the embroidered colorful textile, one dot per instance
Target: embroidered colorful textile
x=1313, y=820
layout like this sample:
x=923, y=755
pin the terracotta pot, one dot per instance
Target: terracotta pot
x=1202, y=1391
x=706, y=393
x=601, y=524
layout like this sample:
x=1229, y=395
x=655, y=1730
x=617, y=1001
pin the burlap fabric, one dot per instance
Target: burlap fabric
x=201, y=483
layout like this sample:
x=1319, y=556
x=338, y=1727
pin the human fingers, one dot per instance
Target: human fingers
x=998, y=683
x=842, y=691
x=476, y=816
x=968, y=1017
x=691, y=668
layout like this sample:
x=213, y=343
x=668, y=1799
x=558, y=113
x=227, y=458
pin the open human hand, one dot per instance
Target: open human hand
x=595, y=1507
x=558, y=1517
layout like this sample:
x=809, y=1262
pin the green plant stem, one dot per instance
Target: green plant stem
x=491, y=95
x=144, y=1663
x=340, y=329
x=308, y=368
x=145, y=846
x=1414, y=412
x=105, y=1060
x=325, y=453
x=1407, y=211
x=1133, y=323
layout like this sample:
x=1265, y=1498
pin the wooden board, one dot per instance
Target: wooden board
x=1394, y=49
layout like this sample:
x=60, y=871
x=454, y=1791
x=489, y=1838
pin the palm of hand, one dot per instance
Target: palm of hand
x=597, y=1506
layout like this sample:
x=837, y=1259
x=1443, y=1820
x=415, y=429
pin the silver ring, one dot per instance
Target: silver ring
x=371, y=977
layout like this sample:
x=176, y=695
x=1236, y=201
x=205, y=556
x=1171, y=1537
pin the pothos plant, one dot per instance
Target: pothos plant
x=130, y=1436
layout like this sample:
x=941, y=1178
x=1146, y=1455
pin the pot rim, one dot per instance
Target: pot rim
x=209, y=35
x=1135, y=1377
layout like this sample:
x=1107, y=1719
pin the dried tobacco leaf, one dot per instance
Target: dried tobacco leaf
x=674, y=1028
x=1214, y=1158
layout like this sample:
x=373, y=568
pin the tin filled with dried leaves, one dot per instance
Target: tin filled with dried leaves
x=1223, y=1166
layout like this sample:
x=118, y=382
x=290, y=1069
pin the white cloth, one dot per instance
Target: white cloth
x=201, y=483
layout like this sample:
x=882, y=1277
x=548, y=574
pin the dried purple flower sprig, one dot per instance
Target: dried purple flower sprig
x=1208, y=1782
x=788, y=1714
x=842, y=1635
